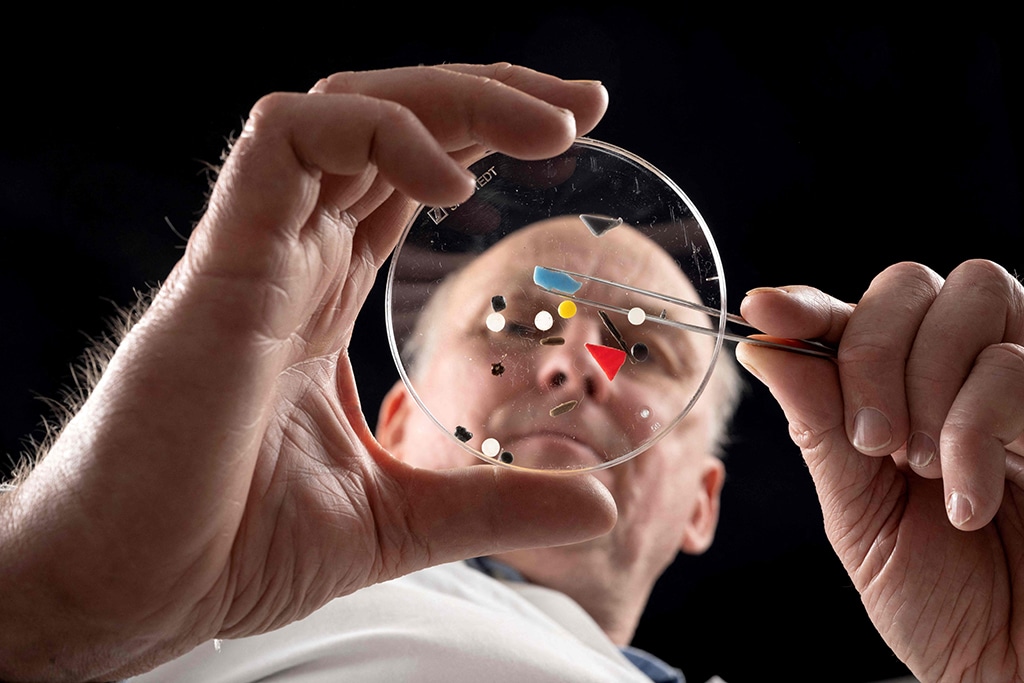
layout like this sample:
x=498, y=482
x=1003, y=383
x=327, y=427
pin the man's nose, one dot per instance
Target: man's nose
x=567, y=367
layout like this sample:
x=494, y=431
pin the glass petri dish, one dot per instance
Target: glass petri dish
x=565, y=318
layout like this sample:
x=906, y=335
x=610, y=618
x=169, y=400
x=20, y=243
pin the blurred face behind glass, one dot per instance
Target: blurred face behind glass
x=667, y=496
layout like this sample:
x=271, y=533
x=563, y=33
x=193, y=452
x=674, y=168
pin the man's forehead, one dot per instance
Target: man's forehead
x=565, y=242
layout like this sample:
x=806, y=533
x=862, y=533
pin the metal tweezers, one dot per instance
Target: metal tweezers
x=804, y=346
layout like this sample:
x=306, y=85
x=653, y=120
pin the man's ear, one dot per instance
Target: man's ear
x=393, y=416
x=700, y=530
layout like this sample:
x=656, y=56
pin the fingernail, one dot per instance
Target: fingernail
x=584, y=81
x=959, y=508
x=764, y=290
x=920, y=450
x=871, y=430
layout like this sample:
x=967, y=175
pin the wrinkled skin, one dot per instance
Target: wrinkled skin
x=942, y=362
x=221, y=480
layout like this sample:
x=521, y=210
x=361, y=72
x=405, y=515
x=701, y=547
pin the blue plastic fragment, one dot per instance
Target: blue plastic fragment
x=555, y=281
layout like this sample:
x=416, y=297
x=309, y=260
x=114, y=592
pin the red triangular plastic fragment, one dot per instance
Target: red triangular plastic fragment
x=610, y=359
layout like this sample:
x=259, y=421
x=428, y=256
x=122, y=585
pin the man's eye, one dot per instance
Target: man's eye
x=520, y=330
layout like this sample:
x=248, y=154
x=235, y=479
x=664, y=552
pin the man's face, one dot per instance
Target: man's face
x=509, y=384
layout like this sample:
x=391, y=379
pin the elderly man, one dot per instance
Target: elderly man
x=220, y=482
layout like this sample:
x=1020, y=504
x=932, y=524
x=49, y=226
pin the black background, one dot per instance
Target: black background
x=819, y=149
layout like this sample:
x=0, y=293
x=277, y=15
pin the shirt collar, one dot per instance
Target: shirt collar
x=655, y=669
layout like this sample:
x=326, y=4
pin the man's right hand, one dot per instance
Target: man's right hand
x=220, y=480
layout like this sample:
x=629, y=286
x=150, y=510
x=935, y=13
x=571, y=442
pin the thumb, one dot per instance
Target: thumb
x=854, y=490
x=482, y=510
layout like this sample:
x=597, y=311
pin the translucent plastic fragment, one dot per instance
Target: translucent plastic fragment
x=599, y=225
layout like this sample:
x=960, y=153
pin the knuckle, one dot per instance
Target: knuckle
x=985, y=277
x=270, y=107
x=336, y=82
x=990, y=287
x=902, y=293
x=1004, y=358
x=914, y=278
x=501, y=75
x=395, y=112
x=981, y=270
x=504, y=71
x=500, y=71
x=321, y=86
x=814, y=442
x=395, y=117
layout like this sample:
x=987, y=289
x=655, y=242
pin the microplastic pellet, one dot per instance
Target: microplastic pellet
x=463, y=434
x=555, y=281
x=645, y=412
x=639, y=351
x=552, y=341
x=543, y=321
x=636, y=315
x=490, y=447
x=562, y=408
x=567, y=309
x=506, y=457
x=495, y=322
x=498, y=303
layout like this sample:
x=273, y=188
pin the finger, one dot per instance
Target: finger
x=270, y=185
x=873, y=356
x=474, y=511
x=344, y=134
x=371, y=245
x=980, y=304
x=586, y=99
x=857, y=494
x=986, y=416
x=796, y=312
x=514, y=110
x=436, y=516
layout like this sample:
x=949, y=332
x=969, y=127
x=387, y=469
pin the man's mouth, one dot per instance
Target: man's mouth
x=552, y=450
